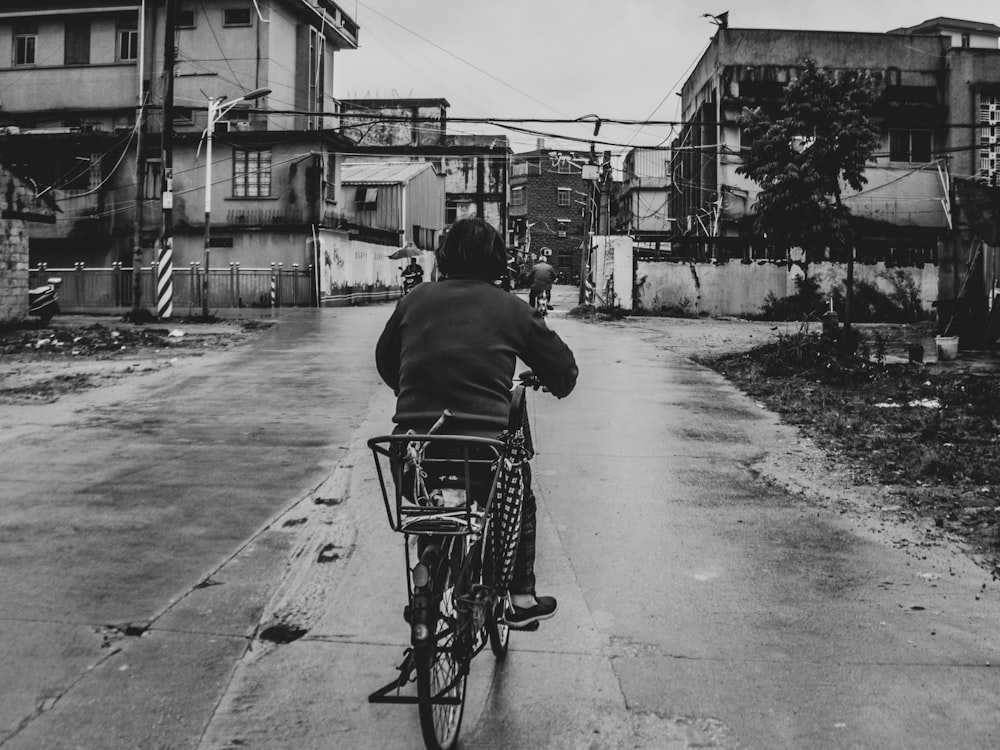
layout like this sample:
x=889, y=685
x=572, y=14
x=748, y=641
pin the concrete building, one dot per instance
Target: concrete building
x=644, y=203
x=83, y=92
x=969, y=34
x=938, y=112
x=475, y=167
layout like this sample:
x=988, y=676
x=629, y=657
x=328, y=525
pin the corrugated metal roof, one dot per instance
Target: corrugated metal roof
x=382, y=172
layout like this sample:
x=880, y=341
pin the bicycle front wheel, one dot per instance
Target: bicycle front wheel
x=442, y=662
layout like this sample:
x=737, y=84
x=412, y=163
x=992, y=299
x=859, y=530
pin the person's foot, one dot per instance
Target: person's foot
x=523, y=617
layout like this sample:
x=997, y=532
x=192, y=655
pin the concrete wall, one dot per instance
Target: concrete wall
x=252, y=248
x=740, y=289
x=352, y=272
x=13, y=269
x=612, y=270
x=14, y=196
x=360, y=121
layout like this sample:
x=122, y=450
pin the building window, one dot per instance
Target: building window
x=236, y=17
x=183, y=115
x=989, y=143
x=966, y=40
x=563, y=196
x=910, y=145
x=128, y=38
x=366, y=198
x=251, y=174
x=25, y=40
x=517, y=196
x=519, y=169
x=185, y=19
x=563, y=227
x=82, y=175
x=77, y=51
x=565, y=166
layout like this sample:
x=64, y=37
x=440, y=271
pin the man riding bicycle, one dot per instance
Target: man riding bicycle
x=454, y=345
x=541, y=277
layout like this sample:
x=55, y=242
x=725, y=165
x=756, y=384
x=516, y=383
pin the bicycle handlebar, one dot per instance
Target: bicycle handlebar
x=530, y=380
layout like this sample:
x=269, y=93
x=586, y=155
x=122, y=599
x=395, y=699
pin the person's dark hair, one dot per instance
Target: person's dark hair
x=472, y=249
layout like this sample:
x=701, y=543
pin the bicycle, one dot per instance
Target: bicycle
x=460, y=498
x=542, y=301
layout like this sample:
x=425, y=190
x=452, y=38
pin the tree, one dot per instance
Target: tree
x=820, y=141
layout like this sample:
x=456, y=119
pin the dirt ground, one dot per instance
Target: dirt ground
x=41, y=363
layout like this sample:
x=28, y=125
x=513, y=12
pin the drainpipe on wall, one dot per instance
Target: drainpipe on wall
x=402, y=213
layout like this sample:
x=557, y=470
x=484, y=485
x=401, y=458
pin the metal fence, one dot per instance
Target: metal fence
x=234, y=287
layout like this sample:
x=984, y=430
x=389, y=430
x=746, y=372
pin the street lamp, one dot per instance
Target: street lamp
x=218, y=107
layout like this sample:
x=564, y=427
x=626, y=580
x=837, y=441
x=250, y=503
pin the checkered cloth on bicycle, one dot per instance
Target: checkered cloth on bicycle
x=505, y=527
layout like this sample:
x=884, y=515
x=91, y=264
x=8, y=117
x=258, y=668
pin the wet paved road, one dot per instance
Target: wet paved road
x=697, y=607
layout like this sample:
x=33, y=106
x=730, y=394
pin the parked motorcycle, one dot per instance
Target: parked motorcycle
x=43, y=300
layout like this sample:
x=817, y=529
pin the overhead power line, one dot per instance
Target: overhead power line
x=460, y=59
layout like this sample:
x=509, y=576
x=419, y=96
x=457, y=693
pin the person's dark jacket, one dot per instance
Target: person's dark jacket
x=542, y=275
x=454, y=345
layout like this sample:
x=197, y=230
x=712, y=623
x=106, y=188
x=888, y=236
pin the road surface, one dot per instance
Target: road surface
x=152, y=535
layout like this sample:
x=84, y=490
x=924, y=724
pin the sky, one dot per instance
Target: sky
x=568, y=59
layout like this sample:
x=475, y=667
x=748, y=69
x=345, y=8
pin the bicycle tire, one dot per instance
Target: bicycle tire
x=444, y=660
x=499, y=632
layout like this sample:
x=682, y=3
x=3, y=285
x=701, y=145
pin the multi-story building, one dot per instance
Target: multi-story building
x=475, y=167
x=551, y=207
x=935, y=98
x=938, y=111
x=644, y=203
x=84, y=90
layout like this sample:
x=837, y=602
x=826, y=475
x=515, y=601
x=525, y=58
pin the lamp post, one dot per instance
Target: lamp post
x=218, y=107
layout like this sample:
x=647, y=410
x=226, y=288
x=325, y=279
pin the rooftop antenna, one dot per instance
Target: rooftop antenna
x=721, y=20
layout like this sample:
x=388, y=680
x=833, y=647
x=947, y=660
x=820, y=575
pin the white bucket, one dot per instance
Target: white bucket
x=947, y=347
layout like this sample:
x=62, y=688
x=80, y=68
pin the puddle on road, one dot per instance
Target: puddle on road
x=282, y=633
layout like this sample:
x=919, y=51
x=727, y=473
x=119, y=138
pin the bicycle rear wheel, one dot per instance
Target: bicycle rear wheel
x=499, y=632
x=442, y=663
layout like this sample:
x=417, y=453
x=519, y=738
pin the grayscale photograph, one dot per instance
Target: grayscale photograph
x=549, y=375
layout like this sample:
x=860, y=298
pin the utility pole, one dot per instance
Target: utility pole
x=140, y=172
x=585, y=249
x=604, y=222
x=164, y=271
x=140, y=180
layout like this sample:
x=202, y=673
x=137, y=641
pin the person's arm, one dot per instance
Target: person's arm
x=549, y=358
x=388, y=352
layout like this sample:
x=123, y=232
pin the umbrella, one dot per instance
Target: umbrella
x=407, y=251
